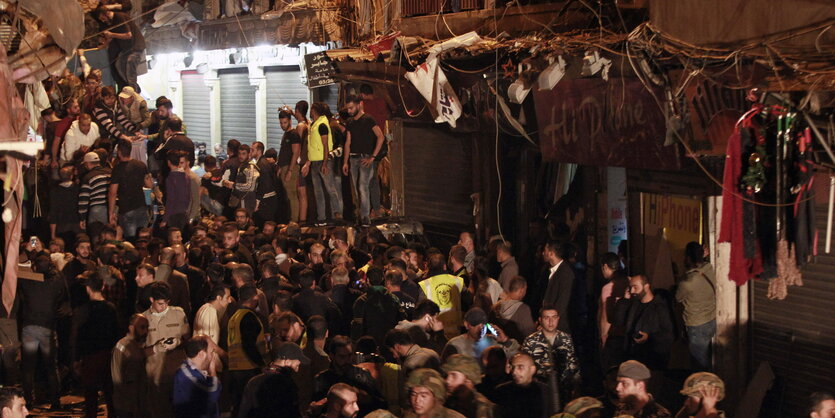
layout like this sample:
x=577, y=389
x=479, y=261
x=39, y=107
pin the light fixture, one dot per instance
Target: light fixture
x=552, y=75
x=593, y=63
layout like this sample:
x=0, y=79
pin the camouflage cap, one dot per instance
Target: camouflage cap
x=563, y=415
x=381, y=413
x=463, y=364
x=430, y=379
x=582, y=404
x=697, y=381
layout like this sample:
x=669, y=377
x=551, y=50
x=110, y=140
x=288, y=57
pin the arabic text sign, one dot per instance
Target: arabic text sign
x=320, y=69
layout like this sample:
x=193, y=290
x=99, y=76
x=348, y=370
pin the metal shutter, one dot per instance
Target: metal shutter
x=284, y=87
x=437, y=175
x=797, y=335
x=196, y=114
x=237, y=106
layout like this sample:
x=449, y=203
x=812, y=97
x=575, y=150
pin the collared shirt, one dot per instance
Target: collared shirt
x=554, y=269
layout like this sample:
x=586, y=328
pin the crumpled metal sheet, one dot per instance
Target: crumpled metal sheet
x=13, y=127
x=64, y=20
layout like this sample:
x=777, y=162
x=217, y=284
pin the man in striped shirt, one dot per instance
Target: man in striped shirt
x=113, y=122
x=92, y=201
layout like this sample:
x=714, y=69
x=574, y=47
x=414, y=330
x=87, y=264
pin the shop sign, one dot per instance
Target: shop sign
x=677, y=220
x=605, y=123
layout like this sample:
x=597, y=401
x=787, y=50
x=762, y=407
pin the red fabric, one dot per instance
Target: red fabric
x=378, y=109
x=730, y=230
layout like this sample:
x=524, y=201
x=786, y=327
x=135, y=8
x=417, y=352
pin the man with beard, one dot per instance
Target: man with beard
x=462, y=374
x=114, y=123
x=128, y=369
x=646, y=320
x=273, y=393
x=362, y=146
x=341, y=402
x=80, y=263
x=634, y=399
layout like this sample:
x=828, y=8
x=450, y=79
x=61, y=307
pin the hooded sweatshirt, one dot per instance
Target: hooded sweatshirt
x=515, y=317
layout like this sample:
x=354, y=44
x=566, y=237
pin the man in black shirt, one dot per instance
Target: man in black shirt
x=125, y=45
x=266, y=195
x=362, y=149
x=39, y=305
x=126, y=183
x=524, y=396
x=94, y=333
x=288, y=162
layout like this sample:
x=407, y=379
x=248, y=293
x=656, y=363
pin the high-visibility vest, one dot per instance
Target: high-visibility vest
x=445, y=290
x=238, y=360
x=315, y=152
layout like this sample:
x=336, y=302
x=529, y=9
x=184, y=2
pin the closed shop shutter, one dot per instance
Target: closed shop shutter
x=284, y=87
x=237, y=106
x=797, y=335
x=437, y=175
x=196, y=114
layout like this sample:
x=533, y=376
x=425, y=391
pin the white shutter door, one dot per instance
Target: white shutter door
x=284, y=87
x=196, y=113
x=237, y=106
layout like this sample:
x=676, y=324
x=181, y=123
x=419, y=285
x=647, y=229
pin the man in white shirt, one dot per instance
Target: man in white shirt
x=207, y=320
x=81, y=135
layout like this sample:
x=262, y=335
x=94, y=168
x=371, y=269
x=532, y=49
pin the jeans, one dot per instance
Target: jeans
x=97, y=213
x=699, y=338
x=133, y=220
x=374, y=189
x=290, y=189
x=325, y=183
x=361, y=177
x=39, y=343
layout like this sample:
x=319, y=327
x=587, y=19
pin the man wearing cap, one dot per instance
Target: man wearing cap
x=427, y=393
x=134, y=107
x=703, y=390
x=196, y=389
x=477, y=339
x=92, y=200
x=634, y=399
x=273, y=392
x=462, y=374
x=583, y=407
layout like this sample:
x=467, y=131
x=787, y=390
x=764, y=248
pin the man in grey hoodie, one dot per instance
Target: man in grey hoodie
x=513, y=315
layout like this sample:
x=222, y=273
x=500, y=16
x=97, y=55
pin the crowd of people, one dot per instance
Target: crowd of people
x=179, y=282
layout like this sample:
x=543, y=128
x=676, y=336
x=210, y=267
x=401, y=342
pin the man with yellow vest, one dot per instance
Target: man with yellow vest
x=247, y=345
x=445, y=290
x=319, y=146
x=167, y=327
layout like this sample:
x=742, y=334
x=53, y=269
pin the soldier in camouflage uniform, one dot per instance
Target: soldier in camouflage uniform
x=703, y=390
x=634, y=399
x=463, y=373
x=427, y=393
x=553, y=353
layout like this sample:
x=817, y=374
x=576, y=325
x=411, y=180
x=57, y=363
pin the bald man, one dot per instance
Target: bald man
x=524, y=396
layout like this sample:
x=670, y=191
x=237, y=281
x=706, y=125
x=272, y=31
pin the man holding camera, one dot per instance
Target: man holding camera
x=167, y=326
